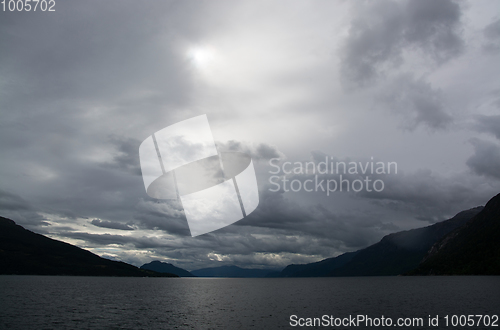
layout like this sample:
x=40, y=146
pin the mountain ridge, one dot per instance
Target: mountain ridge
x=472, y=249
x=23, y=252
x=231, y=271
x=394, y=254
x=165, y=267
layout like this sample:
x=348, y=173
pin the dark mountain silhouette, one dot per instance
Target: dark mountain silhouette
x=23, y=252
x=164, y=267
x=473, y=249
x=320, y=268
x=230, y=271
x=395, y=254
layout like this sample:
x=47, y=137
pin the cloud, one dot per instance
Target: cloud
x=323, y=230
x=16, y=208
x=416, y=101
x=125, y=155
x=489, y=124
x=492, y=35
x=166, y=215
x=95, y=59
x=429, y=196
x=101, y=239
x=486, y=159
x=80, y=91
x=380, y=32
x=12, y=202
x=261, y=151
x=111, y=224
x=422, y=194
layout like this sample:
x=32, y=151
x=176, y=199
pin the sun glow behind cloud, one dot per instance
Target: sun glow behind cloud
x=202, y=56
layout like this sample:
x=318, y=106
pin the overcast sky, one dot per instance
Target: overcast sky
x=411, y=82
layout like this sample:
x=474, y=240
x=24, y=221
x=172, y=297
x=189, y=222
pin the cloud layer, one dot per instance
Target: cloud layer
x=414, y=82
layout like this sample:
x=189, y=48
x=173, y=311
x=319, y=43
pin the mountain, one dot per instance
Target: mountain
x=473, y=249
x=320, y=268
x=164, y=267
x=230, y=271
x=23, y=252
x=395, y=254
x=401, y=252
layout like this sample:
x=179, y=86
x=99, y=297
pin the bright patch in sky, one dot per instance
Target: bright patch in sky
x=201, y=56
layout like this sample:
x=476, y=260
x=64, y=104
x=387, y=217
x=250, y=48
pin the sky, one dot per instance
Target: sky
x=415, y=83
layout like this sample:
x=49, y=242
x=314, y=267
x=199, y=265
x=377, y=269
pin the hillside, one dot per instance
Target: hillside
x=164, y=267
x=318, y=269
x=23, y=252
x=395, y=254
x=473, y=249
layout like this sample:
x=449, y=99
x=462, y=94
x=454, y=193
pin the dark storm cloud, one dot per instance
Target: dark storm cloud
x=278, y=226
x=274, y=216
x=492, y=35
x=92, y=191
x=416, y=101
x=489, y=124
x=13, y=202
x=166, y=215
x=429, y=196
x=486, y=159
x=125, y=158
x=111, y=225
x=261, y=151
x=423, y=194
x=382, y=30
x=18, y=209
x=314, y=221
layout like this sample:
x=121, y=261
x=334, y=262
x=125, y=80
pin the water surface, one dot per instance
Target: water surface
x=65, y=302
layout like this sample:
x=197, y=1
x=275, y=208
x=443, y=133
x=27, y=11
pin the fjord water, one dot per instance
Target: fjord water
x=66, y=302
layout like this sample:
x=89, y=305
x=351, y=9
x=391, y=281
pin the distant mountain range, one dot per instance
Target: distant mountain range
x=230, y=271
x=23, y=252
x=467, y=244
x=222, y=271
